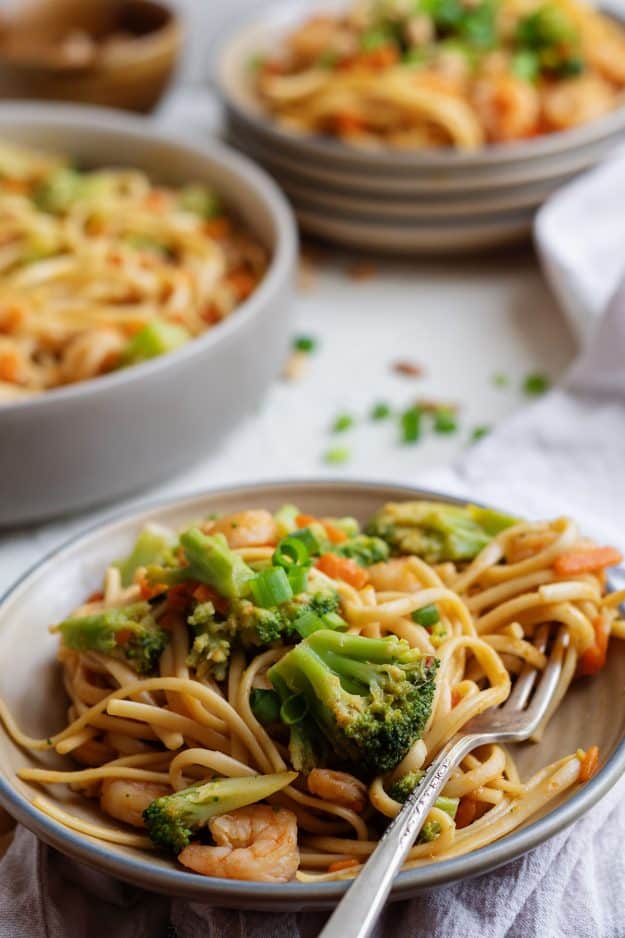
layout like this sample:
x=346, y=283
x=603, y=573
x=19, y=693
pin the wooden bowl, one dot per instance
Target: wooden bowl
x=113, y=53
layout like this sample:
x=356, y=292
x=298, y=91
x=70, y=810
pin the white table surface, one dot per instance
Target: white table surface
x=463, y=320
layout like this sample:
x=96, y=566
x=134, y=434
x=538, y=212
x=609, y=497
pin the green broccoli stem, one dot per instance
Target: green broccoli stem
x=212, y=562
x=172, y=820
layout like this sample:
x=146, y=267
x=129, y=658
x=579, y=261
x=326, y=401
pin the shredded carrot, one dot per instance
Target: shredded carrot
x=590, y=764
x=343, y=568
x=344, y=864
x=156, y=200
x=382, y=57
x=586, y=561
x=348, y=123
x=204, y=594
x=594, y=658
x=466, y=813
x=456, y=697
x=149, y=590
x=242, y=282
x=10, y=367
x=123, y=636
x=19, y=186
x=217, y=227
x=95, y=597
x=335, y=534
x=303, y=521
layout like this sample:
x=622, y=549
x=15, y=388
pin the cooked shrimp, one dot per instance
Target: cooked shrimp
x=246, y=528
x=395, y=575
x=508, y=107
x=256, y=843
x=577, y=101
x=338, y=787
x=126, y=800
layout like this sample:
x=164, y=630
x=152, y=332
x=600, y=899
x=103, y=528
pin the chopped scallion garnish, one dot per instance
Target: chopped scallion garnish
x=271, y=587
x=342, y=423
x=304, y=343
x=337, y=456
x=536, y=384
x=380, y=411
x=410, y=425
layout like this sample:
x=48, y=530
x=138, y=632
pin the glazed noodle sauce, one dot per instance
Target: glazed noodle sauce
x=434, y=73
x=455, y=593
x=105, y=269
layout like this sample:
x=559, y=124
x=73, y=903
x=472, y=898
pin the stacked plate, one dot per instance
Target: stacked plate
x=400, y=201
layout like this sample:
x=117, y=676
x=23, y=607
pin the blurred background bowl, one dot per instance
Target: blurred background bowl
x=113, y=53
x=389, y=201
x=89, y=442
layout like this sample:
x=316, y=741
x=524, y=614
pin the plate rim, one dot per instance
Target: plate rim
x=262, y=896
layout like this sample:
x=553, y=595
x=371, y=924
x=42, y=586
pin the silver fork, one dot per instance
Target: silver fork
x=513, y=722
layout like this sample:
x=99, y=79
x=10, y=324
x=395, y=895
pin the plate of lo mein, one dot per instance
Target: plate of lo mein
x=229, y=697
x=430, y=77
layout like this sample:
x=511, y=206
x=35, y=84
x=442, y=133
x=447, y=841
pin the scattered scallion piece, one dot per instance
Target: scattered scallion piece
x=479, y=432
x=427, y=616
x=265, y=705
x=536, y=384
x=500, y=380
x=380, y=411
x=304, y=343
x=445, y=421
x=271, y=587
x=342, y=423
x=410, y=425
x=337, y=456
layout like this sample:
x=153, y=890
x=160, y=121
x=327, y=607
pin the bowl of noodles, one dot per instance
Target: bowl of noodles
x=228, y=697
x=138, y=276
x=423, y=106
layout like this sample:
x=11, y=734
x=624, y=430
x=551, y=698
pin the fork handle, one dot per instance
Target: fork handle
x=363, y=902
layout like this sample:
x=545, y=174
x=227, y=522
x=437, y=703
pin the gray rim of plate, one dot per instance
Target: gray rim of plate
x=318, y=895
x=328, y=148
x=286, y=238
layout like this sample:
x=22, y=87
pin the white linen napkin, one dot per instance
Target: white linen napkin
x=564, y=454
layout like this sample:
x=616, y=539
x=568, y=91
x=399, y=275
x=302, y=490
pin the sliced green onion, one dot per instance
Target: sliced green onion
x=380, y=411
x=500, y=380
x=410, y=424
x=337, y=456
x=271, y=587
x=448, y=805
x=307, y=622
x=427, y=616
x=536, y=384
x=342, y=423
x=304, y=343
x=298, y=579
x=479, y=432
x=294, y=709
x=291, y=551
x=308, y=538
x=265, y=705
x=445, y=421
x=332, y=620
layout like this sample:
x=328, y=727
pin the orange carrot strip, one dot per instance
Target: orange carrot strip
x=590, y=764
x=343, y=568
x=342, y=864
x=586, y=561
x=217, y=227
x=594, y=658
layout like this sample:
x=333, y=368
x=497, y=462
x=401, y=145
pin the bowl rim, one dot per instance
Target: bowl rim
x=232, y=893
x=329, y=148
x=146, y=133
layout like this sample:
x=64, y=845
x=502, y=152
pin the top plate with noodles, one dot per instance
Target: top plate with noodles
x=296, y=657
x=104, y=269
x=417, y=74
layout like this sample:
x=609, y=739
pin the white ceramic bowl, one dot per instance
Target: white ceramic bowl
x=593, y=712
x=87, y=443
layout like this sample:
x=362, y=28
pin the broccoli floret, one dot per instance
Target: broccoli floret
x=151, y=547
x=209, y=560
x=402, y=787
x=256, y=625
x=210, y=651
x=173, y=819
x=369, y=698
x=436, y=531
x=364, y=549
x=429, y=832
x=311, y=613
x=129, y=633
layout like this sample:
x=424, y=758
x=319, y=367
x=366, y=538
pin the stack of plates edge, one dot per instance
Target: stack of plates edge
x=398, y=201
